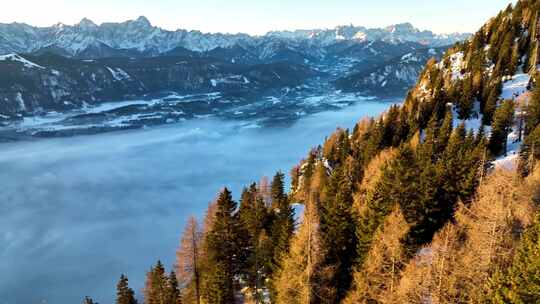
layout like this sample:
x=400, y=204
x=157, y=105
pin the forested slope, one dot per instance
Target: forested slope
x=433, y=202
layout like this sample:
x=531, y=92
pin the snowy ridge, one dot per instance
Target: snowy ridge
x=142, y=36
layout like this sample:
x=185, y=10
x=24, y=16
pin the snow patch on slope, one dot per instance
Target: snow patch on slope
x=456, y=65
x=515, y=86
x=18, y=58
x=118, y=74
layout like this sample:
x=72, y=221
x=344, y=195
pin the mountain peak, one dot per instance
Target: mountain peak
x=86, y=23
x=406, y=27
x=142, y=20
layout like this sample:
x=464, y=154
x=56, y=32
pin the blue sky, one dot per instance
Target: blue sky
x=260, y=16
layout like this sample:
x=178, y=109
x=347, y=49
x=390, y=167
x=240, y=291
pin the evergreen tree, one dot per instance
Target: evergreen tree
x=501, y=127
x=172, y=293
x=222, y=249
x=466, y=100
x=492, y=99
x=530, y=152
x=88, y=300
x=282, y=228
x=521, y=283
x=156, y=285
x=533, y=109
x=398, y=184
x=337, y=230
x=124, y=294
x=255, y=252
x=283, y=225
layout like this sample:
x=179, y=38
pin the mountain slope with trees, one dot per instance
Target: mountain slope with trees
x=435, y=201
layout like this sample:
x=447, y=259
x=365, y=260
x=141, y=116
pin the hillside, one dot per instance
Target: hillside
x=436, y=201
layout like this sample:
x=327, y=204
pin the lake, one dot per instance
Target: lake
x=77, y=212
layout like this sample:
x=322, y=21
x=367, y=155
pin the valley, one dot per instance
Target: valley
x=118, y=200
x=88, y=79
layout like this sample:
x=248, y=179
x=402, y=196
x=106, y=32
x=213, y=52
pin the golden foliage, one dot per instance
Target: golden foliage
x=295, y=280
x=380, y=273
x=372, y=175
x=457, y=266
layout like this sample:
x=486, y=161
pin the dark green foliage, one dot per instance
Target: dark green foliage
x=466, y=100
x=337, y=230
x=501, y=127
x=255, y=246
x=160, y=288
x=530, y=152
x=282, y=226
x=533, y=110
x=520, y=284
x=397, y=179
x=490, y=105
x=222, y=250
x=172, y=293
x=124, y=294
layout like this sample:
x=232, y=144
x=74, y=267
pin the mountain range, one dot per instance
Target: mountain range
x=64, y=68
x=87, y=39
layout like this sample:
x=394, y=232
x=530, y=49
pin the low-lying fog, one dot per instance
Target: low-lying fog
x=77, y=212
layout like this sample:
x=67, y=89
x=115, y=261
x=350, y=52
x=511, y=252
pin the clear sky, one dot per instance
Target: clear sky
x=260, y=16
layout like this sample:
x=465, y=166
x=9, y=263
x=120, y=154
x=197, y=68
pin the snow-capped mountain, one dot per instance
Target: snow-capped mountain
x=398, y=33
x=63, y=68
x=140, y=37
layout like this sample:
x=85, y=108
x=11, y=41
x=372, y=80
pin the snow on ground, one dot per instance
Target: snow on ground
x=409, y=57
x=53, y=120
x=513, y=146
x=233, y=79
x=18, y=58
x=473, y=123
x=456, y=65
x=298, y=213
x=118, y=74
x=508, y=162
x=515, y=86
x=108, y=106
x=337, y=98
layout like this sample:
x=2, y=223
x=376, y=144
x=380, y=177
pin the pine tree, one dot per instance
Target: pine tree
x=88, y=300
x=398, y=185
x=530, y=152
x=466, y=100
x=492, y=99
x=337, y=230
x=445, y=132
x=521, y=284
x=124, y=294
x=533, y=109
x=255, y=253
x=172, y=293
x=282, y=227
x=156, y=285
x=501, y=127
x=222, y=248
